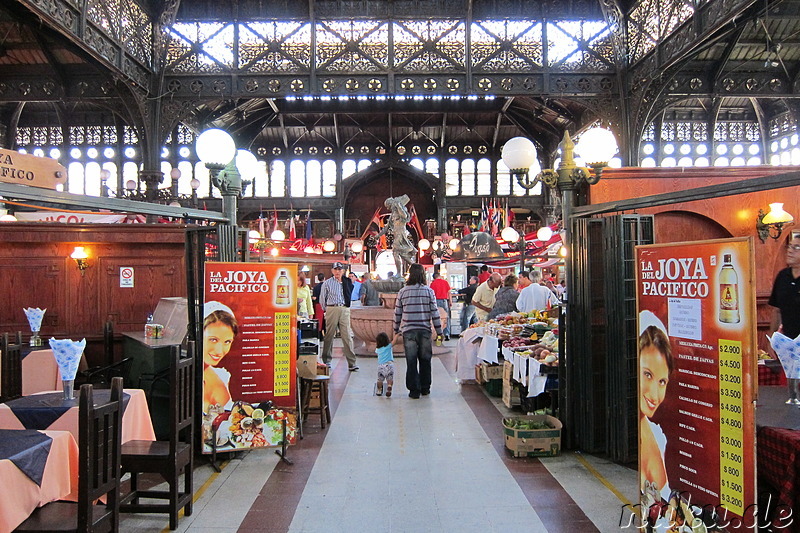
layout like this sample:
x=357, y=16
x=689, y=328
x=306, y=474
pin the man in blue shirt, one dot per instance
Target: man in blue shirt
x=355, y=298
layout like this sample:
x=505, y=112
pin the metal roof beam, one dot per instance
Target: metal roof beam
x=119, y=205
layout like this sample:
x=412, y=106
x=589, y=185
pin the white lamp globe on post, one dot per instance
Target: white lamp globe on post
x=519, y=155
x=544, y=233
x=509, y=234
x=215, y=147
x=247, y=164
x=597, y=146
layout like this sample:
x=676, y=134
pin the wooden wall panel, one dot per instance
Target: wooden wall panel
x=36, y=281
x=35, y=270
x=154, y=278
x=729, y=216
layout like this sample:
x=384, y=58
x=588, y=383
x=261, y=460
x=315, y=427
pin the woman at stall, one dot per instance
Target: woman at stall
x=305, y=307
x=219, y=331
x=655, y=366
x=505, y=301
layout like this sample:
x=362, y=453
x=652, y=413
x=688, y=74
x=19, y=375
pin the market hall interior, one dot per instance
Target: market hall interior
x=397, y=464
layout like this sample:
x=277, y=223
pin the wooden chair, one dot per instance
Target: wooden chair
x=10, y=368
x=169, y=458
x=100, y=438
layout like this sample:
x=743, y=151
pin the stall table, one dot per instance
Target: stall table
x=21, y=494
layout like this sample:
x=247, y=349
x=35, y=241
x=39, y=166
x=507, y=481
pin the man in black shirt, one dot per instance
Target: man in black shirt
x=468, y=311
x=786, y=293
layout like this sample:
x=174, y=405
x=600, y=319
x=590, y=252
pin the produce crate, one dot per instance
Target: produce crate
x=494, y=387
x=510, y=391
x=533, y=442
x=491, y=371
x=479, y=375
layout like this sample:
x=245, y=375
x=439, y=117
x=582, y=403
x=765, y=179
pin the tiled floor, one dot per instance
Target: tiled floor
x=401, y=465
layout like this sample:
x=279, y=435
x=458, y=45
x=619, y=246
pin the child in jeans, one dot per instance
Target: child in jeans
x=385, y=364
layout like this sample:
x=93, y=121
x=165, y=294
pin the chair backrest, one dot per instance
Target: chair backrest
x=181, y=428
x=108, y=342
x=10, y=369
x=99, y=457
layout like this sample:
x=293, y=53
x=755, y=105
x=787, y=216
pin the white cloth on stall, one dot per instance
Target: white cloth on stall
x=488, y=349
x=467, y=353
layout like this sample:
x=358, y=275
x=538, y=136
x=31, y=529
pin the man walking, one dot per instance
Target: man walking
x=413, y=312
x=441, y=290
x=335, y=301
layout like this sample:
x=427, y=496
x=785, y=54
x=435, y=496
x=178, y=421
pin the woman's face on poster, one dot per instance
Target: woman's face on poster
x=217, y=340
x=653, y=379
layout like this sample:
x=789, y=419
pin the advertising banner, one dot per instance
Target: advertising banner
x=697, y=356
x=249, y=347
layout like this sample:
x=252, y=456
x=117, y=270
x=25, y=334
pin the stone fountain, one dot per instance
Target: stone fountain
x=368, y=321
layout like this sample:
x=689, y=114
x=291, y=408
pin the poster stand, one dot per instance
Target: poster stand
x=282, y=452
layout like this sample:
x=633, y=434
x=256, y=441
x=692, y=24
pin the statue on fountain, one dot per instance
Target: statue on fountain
x=405, y=253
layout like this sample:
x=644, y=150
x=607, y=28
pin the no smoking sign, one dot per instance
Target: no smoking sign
x=126, y=276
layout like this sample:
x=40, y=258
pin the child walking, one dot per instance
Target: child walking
x=385, y=364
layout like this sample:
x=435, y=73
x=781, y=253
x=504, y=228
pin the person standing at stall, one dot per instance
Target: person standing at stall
x=414, y=311
x=536, y=297
x=484, y=274
x=305, y=309
x=335, y=300
x=483, y=299
x=318, y=312
x=468, y=310
x=441, y=289
x=785, y=295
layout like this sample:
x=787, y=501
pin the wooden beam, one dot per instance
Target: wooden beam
x=766, y=183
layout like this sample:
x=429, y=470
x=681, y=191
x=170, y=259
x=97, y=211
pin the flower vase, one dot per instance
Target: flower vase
x=36, y=340
x=792, y=386
x=68, y=385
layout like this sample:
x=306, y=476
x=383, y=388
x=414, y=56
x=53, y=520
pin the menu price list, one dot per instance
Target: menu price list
x=283, y=351
x=731, y=436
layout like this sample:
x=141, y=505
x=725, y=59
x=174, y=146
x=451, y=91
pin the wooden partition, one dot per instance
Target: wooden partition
x=712, y=218
x=36, y=271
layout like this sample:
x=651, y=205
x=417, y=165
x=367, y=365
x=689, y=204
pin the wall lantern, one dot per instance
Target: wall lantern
x=772, y=223
x=81, y=258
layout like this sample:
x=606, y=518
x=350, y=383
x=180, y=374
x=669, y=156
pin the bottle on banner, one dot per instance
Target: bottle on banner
x=728, y=292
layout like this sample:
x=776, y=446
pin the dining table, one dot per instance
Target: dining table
x=36, y=467
x=48, y=411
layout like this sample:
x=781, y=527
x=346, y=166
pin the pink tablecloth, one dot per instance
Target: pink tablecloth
x=136, y=422
x=20, y=495
x=40, y=372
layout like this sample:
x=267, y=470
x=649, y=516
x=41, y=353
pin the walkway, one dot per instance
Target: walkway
x=402, y=465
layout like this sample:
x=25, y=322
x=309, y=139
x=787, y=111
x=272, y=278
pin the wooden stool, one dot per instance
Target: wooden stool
x=319, y=383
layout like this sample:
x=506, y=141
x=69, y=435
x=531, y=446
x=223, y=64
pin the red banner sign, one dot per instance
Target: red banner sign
x=249, y=347
x=697, y=351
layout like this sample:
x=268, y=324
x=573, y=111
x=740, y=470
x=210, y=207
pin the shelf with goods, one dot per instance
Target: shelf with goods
x=519, y=358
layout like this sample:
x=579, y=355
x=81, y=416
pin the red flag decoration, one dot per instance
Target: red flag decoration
x=415, y=221
x=466, y=230
x=274, y=219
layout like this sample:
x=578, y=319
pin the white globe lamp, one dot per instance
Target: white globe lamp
x=215, y=147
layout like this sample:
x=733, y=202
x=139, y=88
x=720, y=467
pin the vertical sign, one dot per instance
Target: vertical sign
x=249, y=338
x=126, y=276
x=697, y=349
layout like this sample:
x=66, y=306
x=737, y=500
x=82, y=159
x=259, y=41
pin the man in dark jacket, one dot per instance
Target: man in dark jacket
x=335, y=301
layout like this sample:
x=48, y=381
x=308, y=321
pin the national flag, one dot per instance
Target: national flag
x=466, y=230
x=261, y=229
x=309, y=233
x=292, y=230
x=274, y=219
x=495, y=223
x=509, y=215
x=483, y=224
